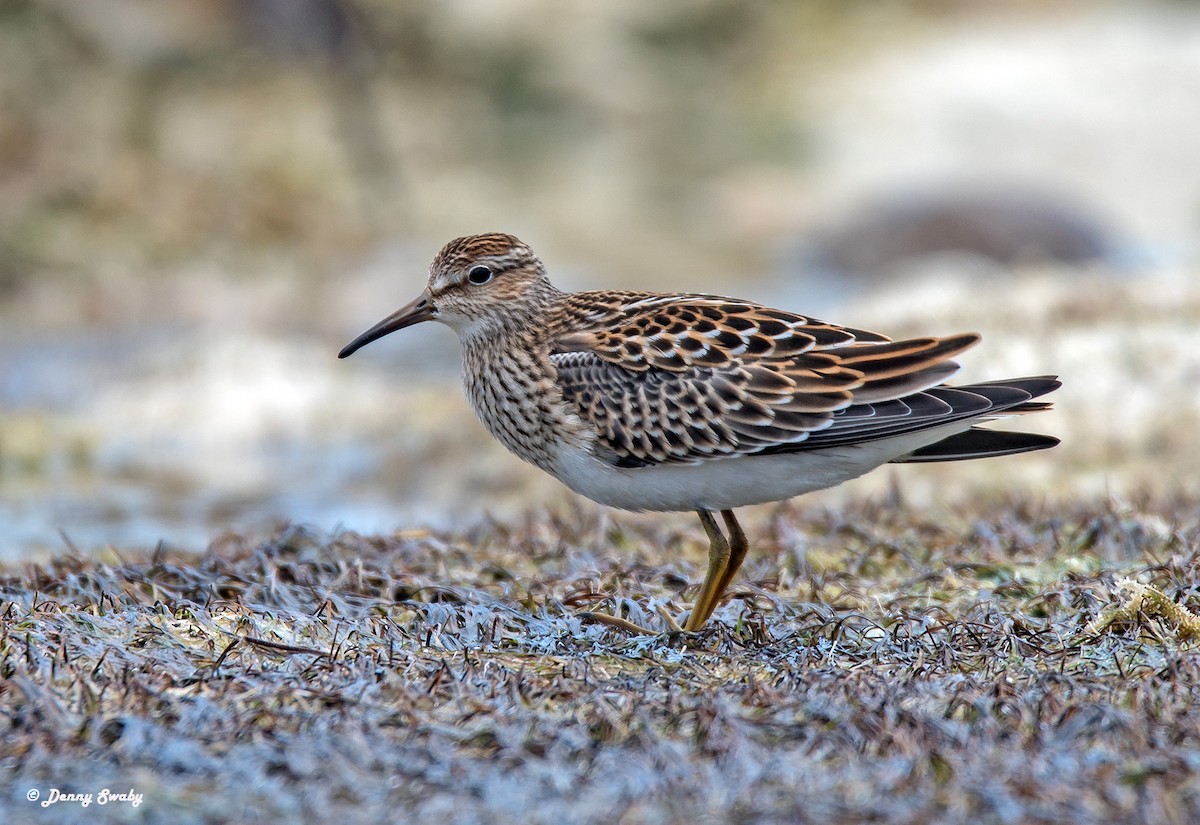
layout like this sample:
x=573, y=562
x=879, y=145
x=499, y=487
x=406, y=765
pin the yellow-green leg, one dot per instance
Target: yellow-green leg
x=725, y=556
x=738, y=546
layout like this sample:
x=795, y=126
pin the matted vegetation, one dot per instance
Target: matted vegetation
x=875, y=663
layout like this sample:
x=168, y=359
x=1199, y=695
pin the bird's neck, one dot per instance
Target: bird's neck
x=511, y=384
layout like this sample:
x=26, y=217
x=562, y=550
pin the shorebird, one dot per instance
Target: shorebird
x=677, y=401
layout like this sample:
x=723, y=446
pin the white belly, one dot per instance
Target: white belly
x=726, y=483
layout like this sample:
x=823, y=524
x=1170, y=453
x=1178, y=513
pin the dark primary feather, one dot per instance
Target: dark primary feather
x=937, y=406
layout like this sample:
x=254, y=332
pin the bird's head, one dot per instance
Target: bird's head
x=479, y=285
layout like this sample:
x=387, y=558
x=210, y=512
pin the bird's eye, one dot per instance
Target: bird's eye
x=479, y=275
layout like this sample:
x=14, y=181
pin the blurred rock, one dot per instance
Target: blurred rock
x=297, y=27
x=1006, y=226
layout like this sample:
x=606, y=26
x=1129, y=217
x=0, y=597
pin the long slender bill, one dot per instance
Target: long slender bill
x=414, y=313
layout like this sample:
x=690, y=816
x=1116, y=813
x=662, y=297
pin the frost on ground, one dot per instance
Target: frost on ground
x=875, y=662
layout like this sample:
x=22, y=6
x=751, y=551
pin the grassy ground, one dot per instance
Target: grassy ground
x=875, y=663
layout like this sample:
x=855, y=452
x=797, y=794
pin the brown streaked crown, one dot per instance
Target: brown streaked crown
x=507, y=250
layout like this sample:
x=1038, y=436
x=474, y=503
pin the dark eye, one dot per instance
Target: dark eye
x=479, y=275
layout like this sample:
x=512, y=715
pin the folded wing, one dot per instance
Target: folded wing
x=683, y=379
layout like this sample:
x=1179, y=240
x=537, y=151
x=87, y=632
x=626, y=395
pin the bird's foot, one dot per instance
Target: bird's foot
x=631, y=628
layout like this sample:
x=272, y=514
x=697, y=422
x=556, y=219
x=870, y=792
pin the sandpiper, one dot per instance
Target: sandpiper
x=677, y=401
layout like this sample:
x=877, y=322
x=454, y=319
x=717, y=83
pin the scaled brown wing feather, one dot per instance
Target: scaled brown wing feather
x=680, y=379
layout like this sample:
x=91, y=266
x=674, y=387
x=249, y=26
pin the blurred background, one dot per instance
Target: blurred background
x=202, y=200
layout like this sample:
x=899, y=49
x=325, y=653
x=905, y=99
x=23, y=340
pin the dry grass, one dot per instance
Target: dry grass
x=874, y=664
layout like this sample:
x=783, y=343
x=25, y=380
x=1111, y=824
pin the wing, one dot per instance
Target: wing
x=684, y=378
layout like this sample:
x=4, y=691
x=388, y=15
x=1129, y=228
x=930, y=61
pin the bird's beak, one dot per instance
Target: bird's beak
x=414, y=313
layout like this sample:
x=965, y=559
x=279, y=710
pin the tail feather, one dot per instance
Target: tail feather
x=935, y=408
x=978, y=442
